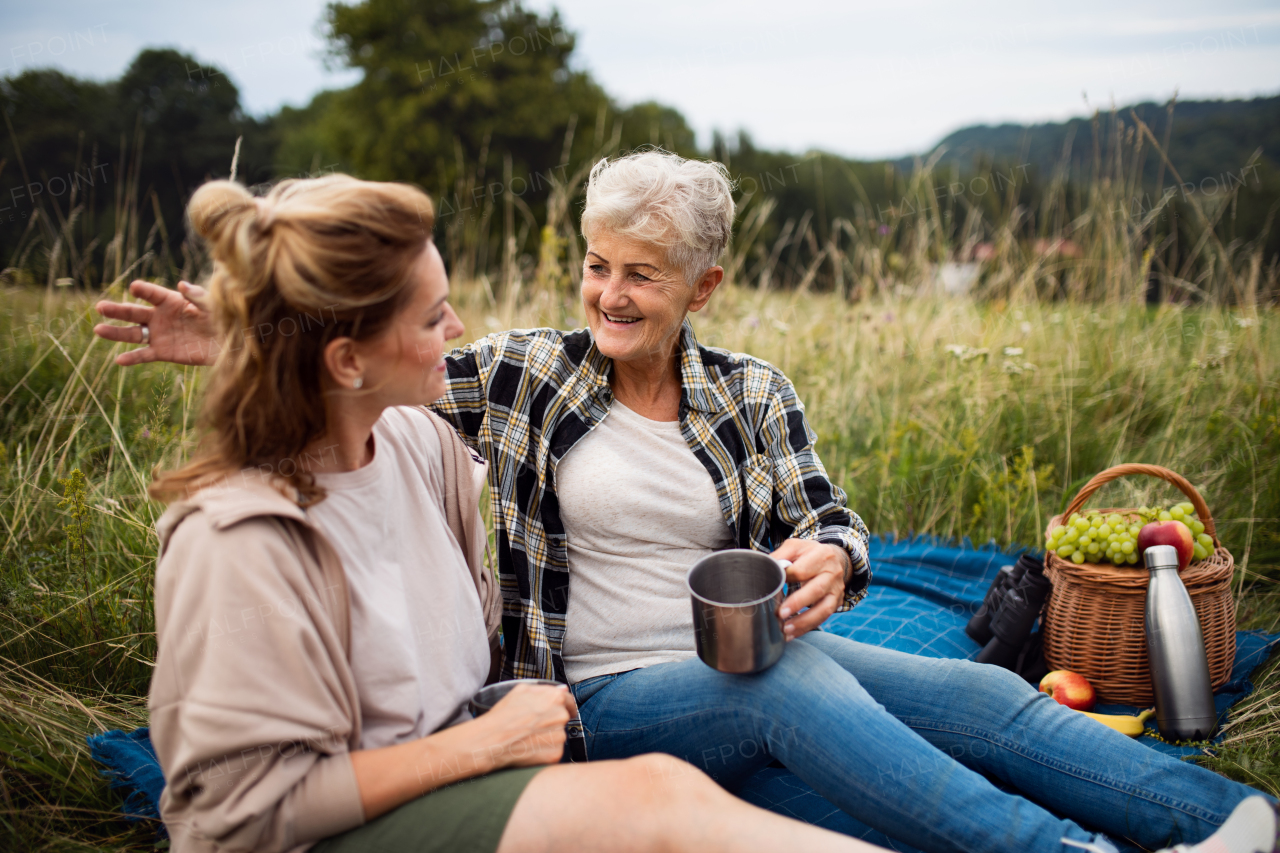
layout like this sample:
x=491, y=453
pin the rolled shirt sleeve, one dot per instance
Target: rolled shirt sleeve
x=807, y=504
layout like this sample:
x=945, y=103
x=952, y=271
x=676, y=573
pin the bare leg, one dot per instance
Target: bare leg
x=651, y=803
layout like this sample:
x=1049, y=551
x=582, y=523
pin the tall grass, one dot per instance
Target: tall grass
x=969, y=418
x=1102, y=236
x=939, y=416
x=64, y=248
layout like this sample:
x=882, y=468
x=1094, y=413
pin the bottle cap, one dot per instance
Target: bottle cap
x=1160, y=557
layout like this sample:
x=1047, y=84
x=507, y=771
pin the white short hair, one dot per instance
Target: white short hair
x=685, y=206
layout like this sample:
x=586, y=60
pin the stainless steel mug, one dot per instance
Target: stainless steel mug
x=736, y=595
x=575, y=745
x=1175, y=651
x=490, y=695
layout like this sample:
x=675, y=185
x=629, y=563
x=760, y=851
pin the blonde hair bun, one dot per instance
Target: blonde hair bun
x=221, y=212
x=313, y=260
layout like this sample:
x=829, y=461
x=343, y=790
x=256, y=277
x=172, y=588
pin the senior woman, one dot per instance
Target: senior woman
x=622, y=453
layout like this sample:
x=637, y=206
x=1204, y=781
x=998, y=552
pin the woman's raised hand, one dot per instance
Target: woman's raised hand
x=179, y=326
x=820, y=569
x=527, y=725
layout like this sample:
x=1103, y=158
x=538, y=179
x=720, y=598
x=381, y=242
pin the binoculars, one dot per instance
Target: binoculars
x=1009, y=610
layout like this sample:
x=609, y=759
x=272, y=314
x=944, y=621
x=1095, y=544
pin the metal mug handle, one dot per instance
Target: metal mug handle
x=785, y=564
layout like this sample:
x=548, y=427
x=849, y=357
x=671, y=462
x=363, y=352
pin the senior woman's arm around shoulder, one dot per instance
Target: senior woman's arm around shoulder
x=179, y=329
x=825, y=541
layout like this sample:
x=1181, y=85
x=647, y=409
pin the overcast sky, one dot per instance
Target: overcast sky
x=856, y=78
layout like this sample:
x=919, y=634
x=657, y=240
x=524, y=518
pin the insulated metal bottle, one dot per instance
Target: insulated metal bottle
x=1175, y=648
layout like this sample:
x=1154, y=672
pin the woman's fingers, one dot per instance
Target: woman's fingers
x=811, y=618
x=819, y=568
x=546, y=705
x=127, y=312
x=792, y=549
x=123, y=334
x=536, y=715
x=813, y=573
x=558, y=701
x=153, y=293
x=809, y=594
x=141, y=355
x=193, y=292
x=570, y=704
x=181, y=330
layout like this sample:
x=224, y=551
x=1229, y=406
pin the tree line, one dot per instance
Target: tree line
x=477, y=102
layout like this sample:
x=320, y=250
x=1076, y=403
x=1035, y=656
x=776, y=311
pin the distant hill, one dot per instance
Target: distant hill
x=1208, y=139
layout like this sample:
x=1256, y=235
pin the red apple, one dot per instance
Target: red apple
x=1173, y=533
x=1069, y=688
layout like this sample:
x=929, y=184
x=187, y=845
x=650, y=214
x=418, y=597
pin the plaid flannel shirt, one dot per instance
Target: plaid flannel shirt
x=524, y=398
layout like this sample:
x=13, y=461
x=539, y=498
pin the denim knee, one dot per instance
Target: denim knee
x=807, y=676
x=980, y=680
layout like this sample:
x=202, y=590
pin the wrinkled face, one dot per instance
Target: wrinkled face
x=634, y=298
x=405, y=365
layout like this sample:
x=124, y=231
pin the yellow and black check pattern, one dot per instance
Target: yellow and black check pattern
x=524, y=398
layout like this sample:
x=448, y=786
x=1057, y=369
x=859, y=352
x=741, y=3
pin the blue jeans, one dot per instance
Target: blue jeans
x=905, y=744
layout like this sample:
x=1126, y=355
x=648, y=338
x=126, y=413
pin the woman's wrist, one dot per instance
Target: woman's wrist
x=845, y=560
x=459, y=752
x=393, y=775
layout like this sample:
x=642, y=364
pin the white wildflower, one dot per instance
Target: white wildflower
x=967, y=353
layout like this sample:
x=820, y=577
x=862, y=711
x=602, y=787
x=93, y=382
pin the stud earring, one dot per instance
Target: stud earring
x=358, y=383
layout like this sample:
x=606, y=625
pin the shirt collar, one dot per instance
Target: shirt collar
x=698, y=390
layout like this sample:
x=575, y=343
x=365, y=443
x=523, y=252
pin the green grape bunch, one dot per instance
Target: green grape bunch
x=1098, y=538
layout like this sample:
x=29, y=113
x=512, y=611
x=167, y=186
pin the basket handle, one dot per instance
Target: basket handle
x=1099, y=480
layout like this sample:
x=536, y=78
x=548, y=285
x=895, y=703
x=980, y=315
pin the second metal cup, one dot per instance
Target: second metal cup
x=490, y=695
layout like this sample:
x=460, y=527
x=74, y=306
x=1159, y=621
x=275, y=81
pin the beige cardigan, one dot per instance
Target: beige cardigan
x=254, y=711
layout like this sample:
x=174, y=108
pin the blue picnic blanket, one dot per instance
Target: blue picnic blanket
x=922, y=594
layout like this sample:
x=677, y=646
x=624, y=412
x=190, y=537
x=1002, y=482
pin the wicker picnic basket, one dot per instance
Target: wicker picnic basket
x=1094, y=618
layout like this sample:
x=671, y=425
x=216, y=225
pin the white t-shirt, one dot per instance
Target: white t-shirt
x=419, y=648
x=639, y=510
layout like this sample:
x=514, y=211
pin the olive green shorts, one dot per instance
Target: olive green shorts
x=465, y=817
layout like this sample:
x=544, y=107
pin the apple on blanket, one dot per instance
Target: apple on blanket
x=1069, y=688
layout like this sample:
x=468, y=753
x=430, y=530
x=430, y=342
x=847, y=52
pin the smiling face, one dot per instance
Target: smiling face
x=405, y=365
x=635, y=299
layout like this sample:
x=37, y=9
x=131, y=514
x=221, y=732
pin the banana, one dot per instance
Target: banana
x=1123, y=723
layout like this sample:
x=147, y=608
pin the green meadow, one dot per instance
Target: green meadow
x=963, y=418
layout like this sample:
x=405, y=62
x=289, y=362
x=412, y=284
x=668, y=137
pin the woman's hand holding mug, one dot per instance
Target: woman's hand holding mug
x=821, y=569
x=526, y=727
